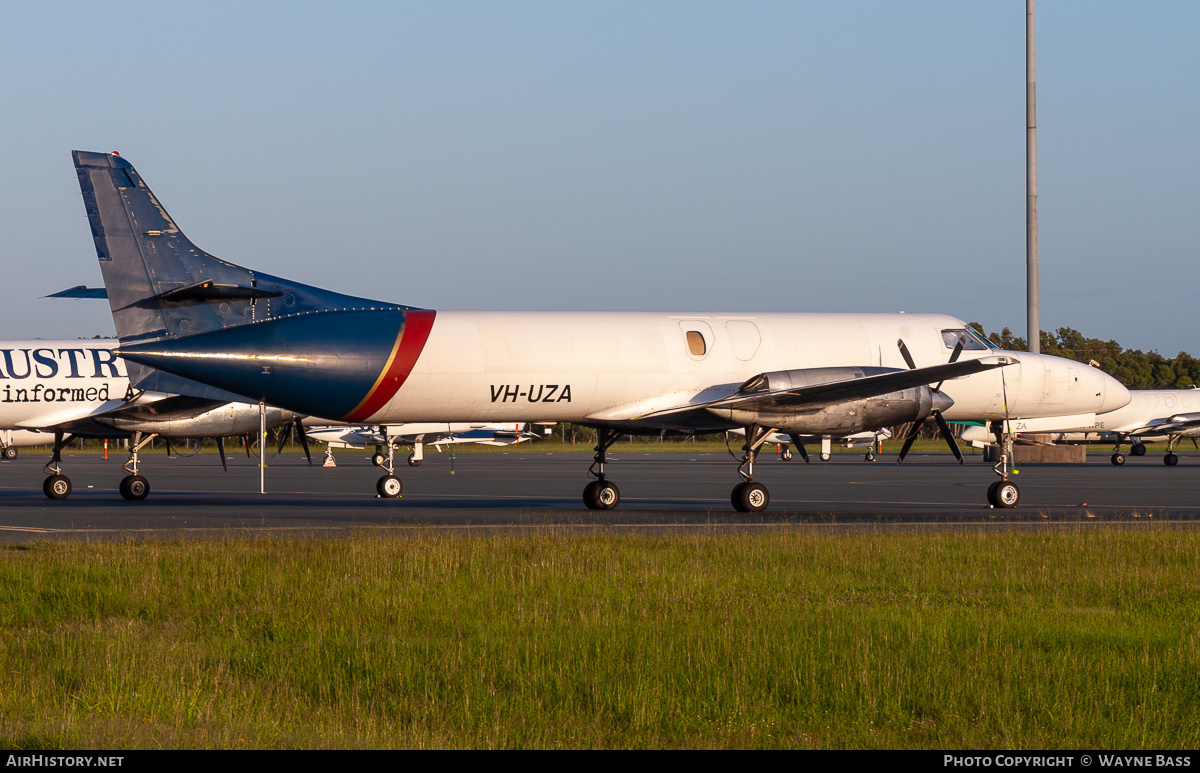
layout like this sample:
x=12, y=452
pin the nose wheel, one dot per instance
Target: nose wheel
x=1004, y=494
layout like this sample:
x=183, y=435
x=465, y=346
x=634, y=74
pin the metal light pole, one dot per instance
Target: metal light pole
x=1031, y=217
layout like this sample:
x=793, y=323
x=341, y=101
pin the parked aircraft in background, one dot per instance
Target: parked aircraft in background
x=12, y=439
x=785, y=441
x=72, y=388
x=418, y=436
x=184, y=314
x=1152, y=415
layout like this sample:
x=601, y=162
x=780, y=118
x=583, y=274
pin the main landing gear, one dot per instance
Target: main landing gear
x=56, y=485
x=601, y=494
x=133, y=486
x=389, y=486
x=1003, y=493
x=750, y=496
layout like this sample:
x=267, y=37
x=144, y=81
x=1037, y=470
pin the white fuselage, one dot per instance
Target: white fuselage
x=617, y=367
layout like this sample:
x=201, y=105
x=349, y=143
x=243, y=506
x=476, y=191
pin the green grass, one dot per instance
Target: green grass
x=982, y=640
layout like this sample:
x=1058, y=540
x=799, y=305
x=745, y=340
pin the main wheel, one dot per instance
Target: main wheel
x=57, y=487
x=413, y=461
x=1006, y=494
x=601, y=495
x=1118, y=458
x=786, y=454
x=135, y=488
x=1138, y=450
x=750, y=497
x=991, y=494
x=9, y=453
x=378, y=459
x=825, y=457
x=1170, y=459
x=389, y=487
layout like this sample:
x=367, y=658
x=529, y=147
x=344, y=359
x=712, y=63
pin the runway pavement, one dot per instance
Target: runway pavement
x=525, y=489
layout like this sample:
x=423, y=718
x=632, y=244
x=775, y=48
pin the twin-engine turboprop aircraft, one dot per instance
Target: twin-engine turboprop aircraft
x=181, y=313
x=78, y=388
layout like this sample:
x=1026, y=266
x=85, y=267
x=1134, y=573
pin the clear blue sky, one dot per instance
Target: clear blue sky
x=701, y=156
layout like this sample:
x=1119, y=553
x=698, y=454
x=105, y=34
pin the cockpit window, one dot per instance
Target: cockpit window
x=970, y=340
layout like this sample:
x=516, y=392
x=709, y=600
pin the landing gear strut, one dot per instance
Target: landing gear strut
x=1003, y=493
x=750, y=496
x=601, y=494
x=1171, y=458
x=57, y=485
x=389, y=486
x=133, y=486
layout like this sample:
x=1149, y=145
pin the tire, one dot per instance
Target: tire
x=9, y=453
x=750, y=497
x=1170, y=460
x=1007, y=495
x=589, y=495
x=414, y=461
x=1138, y=450
x=378, y=459
x=57, y=487
x=786, y=454
x=1118, y=459
x=991, y=493
x=389, y=487
x=134, y=488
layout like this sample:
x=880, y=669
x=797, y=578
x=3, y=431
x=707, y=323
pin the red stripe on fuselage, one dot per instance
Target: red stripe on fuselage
x=409, y=345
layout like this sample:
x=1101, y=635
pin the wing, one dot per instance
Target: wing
x=822, y=387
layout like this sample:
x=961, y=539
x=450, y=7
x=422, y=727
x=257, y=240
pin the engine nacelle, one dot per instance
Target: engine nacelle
x=829, y=418
x=225, y=421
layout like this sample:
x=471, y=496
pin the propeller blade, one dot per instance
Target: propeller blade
x=948, y=435
x=284, y=433
x=800, y=447
x=953, y=358
x=221, y=451
x=904, y=353
x=909, y=440
x=246, y=441
x=169, y=454
x=303, y=439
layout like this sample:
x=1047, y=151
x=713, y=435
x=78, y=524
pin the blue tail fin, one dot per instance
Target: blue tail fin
x=165, y=291
x=160, y=285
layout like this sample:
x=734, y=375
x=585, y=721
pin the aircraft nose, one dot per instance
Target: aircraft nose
x=1113, y=394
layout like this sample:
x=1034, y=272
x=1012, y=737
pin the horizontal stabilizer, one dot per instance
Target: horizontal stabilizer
x=80, y=291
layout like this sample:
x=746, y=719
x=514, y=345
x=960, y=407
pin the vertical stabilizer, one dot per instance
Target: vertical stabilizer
x=160, y=285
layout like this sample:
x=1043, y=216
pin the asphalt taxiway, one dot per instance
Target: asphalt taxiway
x=526, y=489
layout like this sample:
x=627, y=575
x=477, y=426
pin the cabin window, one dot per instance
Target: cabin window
x=696, y=345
